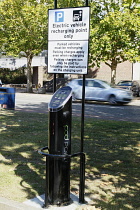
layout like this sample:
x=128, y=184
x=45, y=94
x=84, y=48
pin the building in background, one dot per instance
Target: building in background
x=125, y=70
x=39, y=64
x=136, y=71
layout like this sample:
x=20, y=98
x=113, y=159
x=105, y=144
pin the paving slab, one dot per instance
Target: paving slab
x=6, y=204
x=39, y=201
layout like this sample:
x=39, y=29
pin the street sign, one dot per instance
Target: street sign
x=68, y=36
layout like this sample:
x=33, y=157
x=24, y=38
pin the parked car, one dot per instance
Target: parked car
x=125, y=84
x=134, y=86
x=98, y=90
x=60, y=82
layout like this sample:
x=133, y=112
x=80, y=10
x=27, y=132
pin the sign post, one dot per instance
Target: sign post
x=68, y=46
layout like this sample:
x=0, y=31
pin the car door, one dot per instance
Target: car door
x=94, y=91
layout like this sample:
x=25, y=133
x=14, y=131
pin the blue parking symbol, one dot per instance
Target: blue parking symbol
x=59, y=16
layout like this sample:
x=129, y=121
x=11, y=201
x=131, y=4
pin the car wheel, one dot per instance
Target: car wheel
x=112, y=100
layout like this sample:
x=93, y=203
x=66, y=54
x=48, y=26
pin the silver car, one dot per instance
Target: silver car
x=98, y=90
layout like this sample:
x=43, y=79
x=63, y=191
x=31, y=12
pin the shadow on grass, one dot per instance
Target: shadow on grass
x=22, y=134
x=112, y=158
x=112, y=167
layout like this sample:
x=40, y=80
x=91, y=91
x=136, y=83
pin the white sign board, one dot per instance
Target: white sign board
x=68, y=35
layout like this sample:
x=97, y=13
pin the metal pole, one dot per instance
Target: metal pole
x=54, y=83
x=83, y=114
x=82, y=158
x=83, y=108
x=54, y=75
x=55, y=4
x=47, y=184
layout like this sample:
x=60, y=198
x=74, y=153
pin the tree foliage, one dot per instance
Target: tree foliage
x=13, y=77
x=24, y=30
x=115, y=30
x=70, y=3
x=115, y=38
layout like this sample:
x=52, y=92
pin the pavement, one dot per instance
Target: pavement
x=37, y=203
x=6, y=204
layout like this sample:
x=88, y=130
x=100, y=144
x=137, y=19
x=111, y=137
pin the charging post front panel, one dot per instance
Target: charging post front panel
x=59, y=143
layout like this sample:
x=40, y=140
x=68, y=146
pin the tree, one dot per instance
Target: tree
x=115, y=31
x=23, y=27
x=70, y=3
x=115, y=39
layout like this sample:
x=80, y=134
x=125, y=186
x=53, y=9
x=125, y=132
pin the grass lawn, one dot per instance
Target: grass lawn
x=112, y=159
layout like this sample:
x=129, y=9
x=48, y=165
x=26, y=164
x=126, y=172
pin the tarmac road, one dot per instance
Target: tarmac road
x=39, y=103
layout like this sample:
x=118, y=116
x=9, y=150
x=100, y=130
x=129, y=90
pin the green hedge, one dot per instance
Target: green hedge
x=13, y=77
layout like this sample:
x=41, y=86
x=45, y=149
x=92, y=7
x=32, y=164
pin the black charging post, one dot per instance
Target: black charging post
x=58, y=170
x=59, y=147
x=58, y=156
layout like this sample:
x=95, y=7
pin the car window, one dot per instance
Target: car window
x=90, y=83
x=127, y=83
x=80, y=82
x=97, y=84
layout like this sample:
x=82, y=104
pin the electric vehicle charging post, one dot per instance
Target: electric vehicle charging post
x=58, y=157
x=59, y=140
x=59, y=147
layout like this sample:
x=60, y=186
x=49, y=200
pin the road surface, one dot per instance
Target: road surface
x=39, y=103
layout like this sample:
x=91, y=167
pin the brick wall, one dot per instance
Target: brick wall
x=124, y=72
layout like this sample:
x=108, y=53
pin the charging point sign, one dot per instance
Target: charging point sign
x=68, y=37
